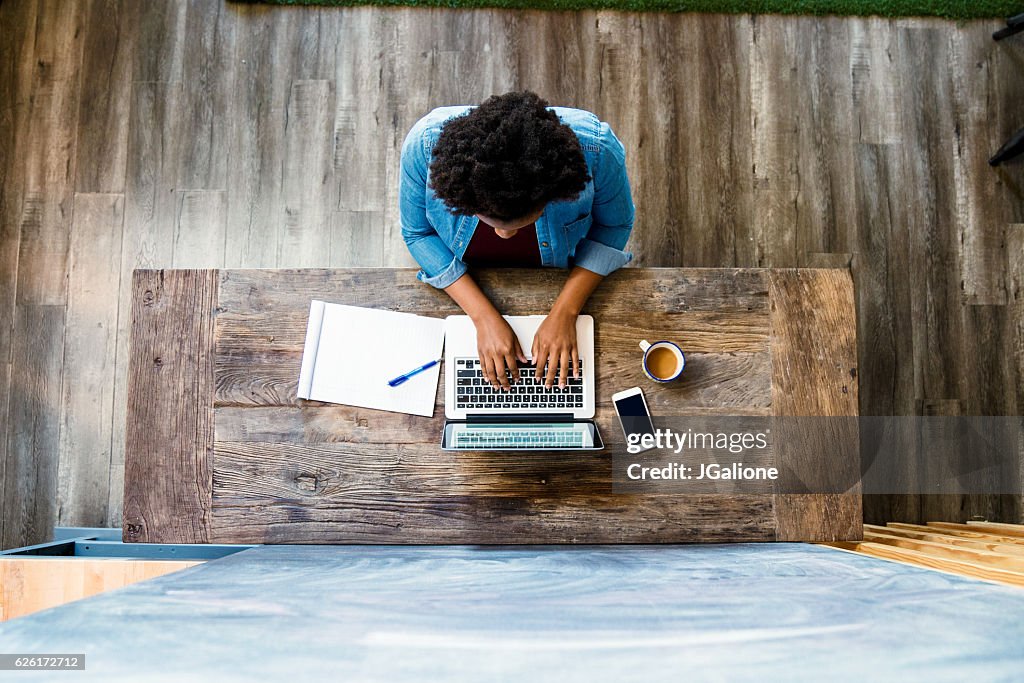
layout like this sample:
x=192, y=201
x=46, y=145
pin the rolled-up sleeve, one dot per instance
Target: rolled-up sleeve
x=439, y=266
x=602, y=250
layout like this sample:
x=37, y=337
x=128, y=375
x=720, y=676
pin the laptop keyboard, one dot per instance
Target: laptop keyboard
x=520, y=437
x=473, y=392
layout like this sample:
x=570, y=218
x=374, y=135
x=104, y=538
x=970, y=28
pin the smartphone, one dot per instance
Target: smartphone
x=634, y=416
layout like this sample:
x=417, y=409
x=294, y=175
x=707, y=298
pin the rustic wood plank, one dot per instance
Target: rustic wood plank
x=925, y=244
x=15, y=55
x=699, y=206
x=1010, y=530
x=5, y=424
x=357, y=239
x=987, y=557
x=813, y=259
x=161, y=30
x=148, y=238
x=876, y=82
x=45, y=217
x=774, y=78
x=585, y=519
x=884, y=327
x=16, y=77
x=267, y=55
x=828, y=220
x=1015, y=319
x=959, y=533
x=90, y=346
x=698, y=332
x=8, y=292
x=308, y=176
x=33, y=426
x=616, y=52
x=961, y=567
x=875, y=175
x=108, y=53
x=999, y=528
x=199, y=229
x=199, y=124
x=359, y=169
x=1015, y=549
x=719, y=203
x=982, y=204
x=814, y=372
x=170, y=407
x=663, y=289
x=988, y=334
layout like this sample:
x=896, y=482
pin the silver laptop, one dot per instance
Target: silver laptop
x=528, y=416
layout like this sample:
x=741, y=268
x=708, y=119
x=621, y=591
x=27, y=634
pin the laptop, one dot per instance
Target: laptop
x=528, y=416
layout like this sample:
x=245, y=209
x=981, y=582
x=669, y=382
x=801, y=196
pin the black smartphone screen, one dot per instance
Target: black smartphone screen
x=633, y=413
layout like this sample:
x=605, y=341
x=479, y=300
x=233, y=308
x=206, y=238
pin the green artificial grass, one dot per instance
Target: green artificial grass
x=949, y=9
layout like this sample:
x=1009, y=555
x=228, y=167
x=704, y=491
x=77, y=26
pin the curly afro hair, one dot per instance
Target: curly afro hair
x=507, y=158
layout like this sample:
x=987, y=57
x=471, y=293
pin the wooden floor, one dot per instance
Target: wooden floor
x=204, y=134
x=990, y=550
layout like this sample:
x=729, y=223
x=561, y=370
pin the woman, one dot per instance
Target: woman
x=516, y=183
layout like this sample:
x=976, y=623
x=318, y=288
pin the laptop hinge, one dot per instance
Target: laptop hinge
x=523, y=417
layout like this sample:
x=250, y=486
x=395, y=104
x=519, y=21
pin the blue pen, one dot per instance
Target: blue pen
x=401, y=378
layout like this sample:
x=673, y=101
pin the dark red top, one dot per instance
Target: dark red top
x=487, y=249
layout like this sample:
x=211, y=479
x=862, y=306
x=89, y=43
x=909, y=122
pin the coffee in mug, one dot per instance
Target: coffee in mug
x=663, y=360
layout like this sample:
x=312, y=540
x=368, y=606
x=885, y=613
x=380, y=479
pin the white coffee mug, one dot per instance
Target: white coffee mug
x=647, y=348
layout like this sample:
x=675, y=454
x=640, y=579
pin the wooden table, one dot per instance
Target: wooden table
x=219, y=449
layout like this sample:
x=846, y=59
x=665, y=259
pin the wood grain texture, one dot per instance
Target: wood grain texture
x=814, y=372
x=33, y=425
x=1009, y=531
x=16, y=83
x=148, y=237
x=268, y=56
x=955, y=566
x=308, y=175
x=981, y=542
x=110, y=35
x=984, y=556
x=32, y=585
x=955, y=532
x=89, y=354
x=49, y=174
x=199, y=229
x=286, y=470
x=785, y=141
x=170, y=425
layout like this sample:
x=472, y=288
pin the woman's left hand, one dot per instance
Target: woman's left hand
x=555, y=344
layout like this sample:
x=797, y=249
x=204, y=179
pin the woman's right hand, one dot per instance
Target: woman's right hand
x=498, y=348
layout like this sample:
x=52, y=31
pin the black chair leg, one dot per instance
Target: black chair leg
x=1014, y=25
x=1013, y=147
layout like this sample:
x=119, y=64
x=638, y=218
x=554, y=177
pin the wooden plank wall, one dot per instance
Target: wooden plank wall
x=209, y=134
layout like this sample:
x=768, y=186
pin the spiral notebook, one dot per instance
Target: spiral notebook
x=352, y=352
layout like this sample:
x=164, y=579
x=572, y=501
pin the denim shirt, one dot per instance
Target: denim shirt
x=589, y=231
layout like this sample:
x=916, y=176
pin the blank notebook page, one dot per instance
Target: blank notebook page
x=351, y=353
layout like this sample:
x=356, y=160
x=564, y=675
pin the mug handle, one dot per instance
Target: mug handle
x=644, y=345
